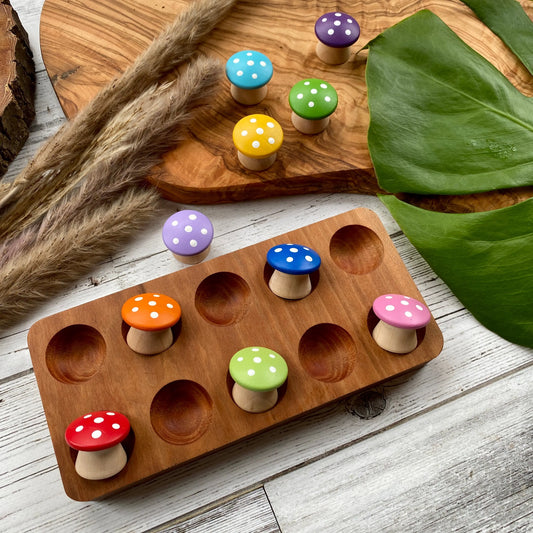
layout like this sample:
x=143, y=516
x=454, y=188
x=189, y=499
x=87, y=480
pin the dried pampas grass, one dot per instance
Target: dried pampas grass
x=54, y=170
x=84, y=193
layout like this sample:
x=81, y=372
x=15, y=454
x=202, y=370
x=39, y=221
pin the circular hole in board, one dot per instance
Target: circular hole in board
x=223, y=298
x=75, y=353
x=327, y=352
x=356, y=249
x=181, y=412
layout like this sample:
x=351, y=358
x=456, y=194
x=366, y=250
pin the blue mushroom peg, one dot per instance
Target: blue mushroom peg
x=292, y=264
x=249, y=72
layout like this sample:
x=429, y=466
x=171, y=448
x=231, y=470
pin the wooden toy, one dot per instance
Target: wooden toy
x=292, y=264
x=399, y=318
x=188, y=235
x=97, y=437
x=312, y=102
x=179, y=403
x=249, y=73
x=258, y=373
x=257, y=139
x=336, y=33
x=150, y=317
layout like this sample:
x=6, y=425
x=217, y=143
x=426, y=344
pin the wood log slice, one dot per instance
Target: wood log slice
x=17, y=76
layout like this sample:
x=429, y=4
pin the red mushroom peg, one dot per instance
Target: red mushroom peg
x=399, y=318
x=150, y=317
x=97, y=437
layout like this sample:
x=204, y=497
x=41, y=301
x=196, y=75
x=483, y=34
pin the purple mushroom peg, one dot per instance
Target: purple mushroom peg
x=336, y=33
x=188, y=235
x=249, y=72
x=292, y=264
x=399, y=319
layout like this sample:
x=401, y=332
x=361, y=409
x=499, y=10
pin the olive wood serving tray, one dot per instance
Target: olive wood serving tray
x=179, y=402
x=85, y=45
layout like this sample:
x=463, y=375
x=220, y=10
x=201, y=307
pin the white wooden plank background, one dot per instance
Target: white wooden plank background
x=476, y=374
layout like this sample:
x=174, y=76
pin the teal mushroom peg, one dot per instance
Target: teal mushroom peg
x=258, y=373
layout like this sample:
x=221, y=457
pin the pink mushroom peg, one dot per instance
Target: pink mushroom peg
x=399, y=319
x=97, y=437
x=188, y=235
x=336, y=33
x=150, y=317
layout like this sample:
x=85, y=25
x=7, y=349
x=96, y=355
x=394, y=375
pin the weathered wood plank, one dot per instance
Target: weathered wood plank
x=465, y=466
x=249, y=513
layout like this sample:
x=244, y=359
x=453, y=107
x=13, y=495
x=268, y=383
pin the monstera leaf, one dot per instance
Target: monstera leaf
x=443, y=120
x=509, y=21
x=485, y=258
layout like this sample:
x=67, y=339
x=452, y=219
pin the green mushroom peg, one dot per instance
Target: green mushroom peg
x=258, y=373
x=312, y=102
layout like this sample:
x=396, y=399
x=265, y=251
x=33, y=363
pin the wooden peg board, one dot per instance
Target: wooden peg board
x=178, y=402
x=87, y=44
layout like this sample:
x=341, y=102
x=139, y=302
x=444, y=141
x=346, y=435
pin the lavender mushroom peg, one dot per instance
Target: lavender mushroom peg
x=249, y=73
x=399, y=318
x=292, y=264
x=188, y=235
x=336, y=33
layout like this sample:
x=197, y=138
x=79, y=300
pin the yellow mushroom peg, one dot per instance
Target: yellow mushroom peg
x=257, y=139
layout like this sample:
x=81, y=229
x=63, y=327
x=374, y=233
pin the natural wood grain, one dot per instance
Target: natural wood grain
x=17, y=79
x=226, y=305
x=85, y=45
x=248, y=513
x=471, y=471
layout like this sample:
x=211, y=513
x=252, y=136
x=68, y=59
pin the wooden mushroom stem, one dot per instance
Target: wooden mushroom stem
x=193, y=259
x=332, y=55
x=290, y=286
x=248, y=96
x=252, y=163
x=394, y=339
x=309, y=127
x=101, y=464
x=254, y=401
x=149, y=342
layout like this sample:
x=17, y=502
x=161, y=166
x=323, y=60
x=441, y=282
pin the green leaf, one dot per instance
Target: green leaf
x=510, y=22
x=443, y=119
x=485, y=258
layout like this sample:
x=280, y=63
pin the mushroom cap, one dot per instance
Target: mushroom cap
x=313, y=99
x=337, y=29
x=151, y=312
x=401, y=311
x=258, y=369
x=293, y=259
x=257, y=136
x=249, y=69
x=97, y=431
x=187, y=232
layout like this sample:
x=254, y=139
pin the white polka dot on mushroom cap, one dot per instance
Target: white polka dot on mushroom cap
x=96, y=434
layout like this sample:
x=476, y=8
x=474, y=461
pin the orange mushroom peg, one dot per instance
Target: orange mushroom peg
x=150, y=317
x=257, y=139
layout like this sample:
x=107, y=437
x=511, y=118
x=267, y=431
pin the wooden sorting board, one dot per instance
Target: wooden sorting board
x=87, y=44
x=178, y=402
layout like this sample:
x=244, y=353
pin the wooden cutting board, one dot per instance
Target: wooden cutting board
x=85, y=45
